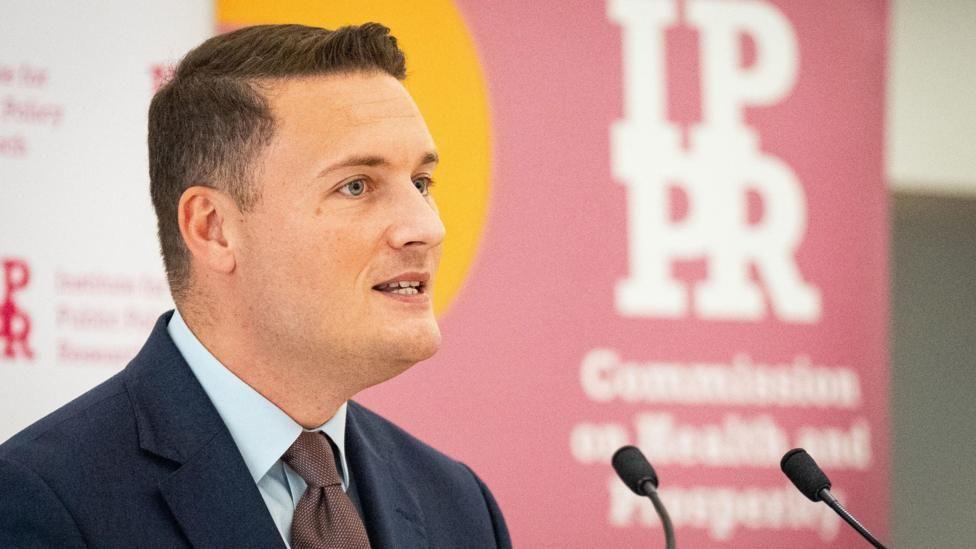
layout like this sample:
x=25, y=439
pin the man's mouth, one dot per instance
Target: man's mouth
x=402, y=287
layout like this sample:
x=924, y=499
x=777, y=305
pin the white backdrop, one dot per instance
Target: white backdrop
x=75, y=84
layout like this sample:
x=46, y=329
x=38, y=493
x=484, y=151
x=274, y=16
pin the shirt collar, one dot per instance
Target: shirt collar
x=261, y=430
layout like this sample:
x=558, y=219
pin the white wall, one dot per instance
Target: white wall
x=932, y=97
x=75, y=86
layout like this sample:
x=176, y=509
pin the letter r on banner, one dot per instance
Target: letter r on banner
x=14, y=323
x=717, y=172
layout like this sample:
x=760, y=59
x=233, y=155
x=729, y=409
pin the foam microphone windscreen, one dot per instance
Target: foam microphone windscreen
x=633, y=468
x=805, y=474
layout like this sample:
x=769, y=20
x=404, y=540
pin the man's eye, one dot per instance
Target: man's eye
x=354, y=188
x=423, y=185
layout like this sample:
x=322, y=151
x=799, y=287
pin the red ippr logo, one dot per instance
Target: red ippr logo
x=14, y=322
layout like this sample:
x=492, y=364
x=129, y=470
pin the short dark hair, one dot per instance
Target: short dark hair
x=211, y=120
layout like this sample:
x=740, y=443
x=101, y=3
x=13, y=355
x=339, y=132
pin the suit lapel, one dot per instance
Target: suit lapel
x=392, y=514
x=216, y=501
x=211, y=495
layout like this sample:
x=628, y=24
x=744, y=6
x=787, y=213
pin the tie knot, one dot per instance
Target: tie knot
x=312, y=458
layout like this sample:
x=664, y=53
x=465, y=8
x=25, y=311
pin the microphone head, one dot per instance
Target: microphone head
x=634, y=469
x=804, y=473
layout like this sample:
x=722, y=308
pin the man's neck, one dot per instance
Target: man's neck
x=300, y=387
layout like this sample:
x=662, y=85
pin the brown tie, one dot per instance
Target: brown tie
x=324, y=517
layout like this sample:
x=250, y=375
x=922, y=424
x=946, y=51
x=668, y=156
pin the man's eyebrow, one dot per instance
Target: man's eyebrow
x=430, y=158
x=373, y=161
x=357, y=160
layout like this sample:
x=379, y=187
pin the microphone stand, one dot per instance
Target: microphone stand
x=651, y=492
x=830, y=500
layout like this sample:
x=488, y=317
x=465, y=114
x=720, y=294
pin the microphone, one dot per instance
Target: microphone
x=809, y=479
x=636, y=472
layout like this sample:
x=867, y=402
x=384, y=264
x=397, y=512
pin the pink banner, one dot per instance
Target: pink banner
x=686, y=250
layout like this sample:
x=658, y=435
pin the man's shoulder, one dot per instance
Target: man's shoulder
x=454, y=501
x=97, y=416
x=73, y=431
x=56, y=468
x=390, y=437
x=413, y=461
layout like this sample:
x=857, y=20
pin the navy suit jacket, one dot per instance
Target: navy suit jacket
x=144, y=460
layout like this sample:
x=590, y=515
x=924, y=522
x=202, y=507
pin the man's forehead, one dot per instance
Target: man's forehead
x=352, y=97
x=337, y=117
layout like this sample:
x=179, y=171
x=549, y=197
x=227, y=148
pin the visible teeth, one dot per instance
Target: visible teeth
x=402, y=284
x=406, y=291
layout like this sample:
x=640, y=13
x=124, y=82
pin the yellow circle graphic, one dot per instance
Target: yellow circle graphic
x=445, y=78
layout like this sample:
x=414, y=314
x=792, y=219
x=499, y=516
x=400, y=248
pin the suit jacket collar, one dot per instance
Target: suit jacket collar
x=211, y=494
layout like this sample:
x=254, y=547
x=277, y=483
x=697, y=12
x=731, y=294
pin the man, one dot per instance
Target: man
x=291, y=174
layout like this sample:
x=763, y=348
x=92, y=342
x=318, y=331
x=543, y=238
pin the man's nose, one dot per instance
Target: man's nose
x=416, y=222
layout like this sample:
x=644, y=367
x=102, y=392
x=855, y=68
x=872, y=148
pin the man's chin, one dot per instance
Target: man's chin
x=421, y=346
x=394, y=358
x=411, y=342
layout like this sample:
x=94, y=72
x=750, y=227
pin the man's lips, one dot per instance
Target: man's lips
x=405, y=284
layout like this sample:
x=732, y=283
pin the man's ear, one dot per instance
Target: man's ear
x=208, y=221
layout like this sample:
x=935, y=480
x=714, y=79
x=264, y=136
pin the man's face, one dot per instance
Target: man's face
x=344, y=216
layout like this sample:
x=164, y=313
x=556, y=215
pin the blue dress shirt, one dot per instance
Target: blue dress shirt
x=261, y=430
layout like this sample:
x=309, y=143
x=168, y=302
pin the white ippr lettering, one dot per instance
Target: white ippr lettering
x=719, y=169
